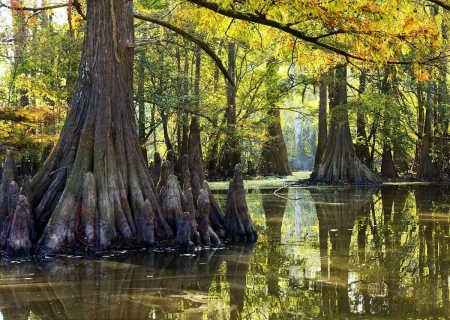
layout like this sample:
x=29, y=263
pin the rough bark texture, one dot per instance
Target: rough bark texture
x=89, y=206
x=165, y=172
x=207, y=234
x=238, y=223
x=9, y=175
x=387, y=163
x=95, y=191
x=195, y=161
x=171, y=159
x=274, y=158
x=99, y=137
x=185, y=173
x=18, y=243
x=340, y=164
x=155, y=168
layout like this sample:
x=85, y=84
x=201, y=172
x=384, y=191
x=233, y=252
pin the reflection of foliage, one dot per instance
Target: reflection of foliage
x=395, y=264
x=219, y=296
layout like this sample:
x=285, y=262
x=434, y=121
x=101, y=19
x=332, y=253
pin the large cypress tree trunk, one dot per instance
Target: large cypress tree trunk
x=340, y=162
x=274, y=157
x=99, y=137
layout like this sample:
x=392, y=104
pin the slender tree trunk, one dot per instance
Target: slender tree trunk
x=427, y=169
x=141, y=104
x=198, y=64
x=184, y=123
x=99, y=136
x=322, y=131
x=387, y=162
x=340, y=164
x=232, y=154
x=420, y=126
x=362, y=142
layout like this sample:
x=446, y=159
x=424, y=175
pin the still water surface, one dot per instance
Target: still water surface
x=335, y=253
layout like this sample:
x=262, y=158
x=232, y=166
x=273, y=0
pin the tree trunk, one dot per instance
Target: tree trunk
x=184, y=147
x=232, y=154
x=340, y=164
x=362, y=142
x=427, y=169
x=18, y=243
x=322, y=130
x=388, y=169
x=141, y=104
x=99, y=136
x=238, y=223
x=274, y=158
x=387, y=163
x=9, y=175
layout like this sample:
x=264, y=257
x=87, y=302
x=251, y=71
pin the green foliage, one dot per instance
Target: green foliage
x=40, y=67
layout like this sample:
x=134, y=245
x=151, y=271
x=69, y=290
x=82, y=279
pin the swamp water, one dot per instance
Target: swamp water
x=337, y=253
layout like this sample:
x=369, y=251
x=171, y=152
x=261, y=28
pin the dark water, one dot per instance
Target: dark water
x=322, y=253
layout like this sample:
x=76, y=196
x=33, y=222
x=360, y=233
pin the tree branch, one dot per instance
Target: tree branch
x=190, y=37
x=33, y=9
x=251, y=17
x=440, y=4
x=75, y=3
x=274, y=24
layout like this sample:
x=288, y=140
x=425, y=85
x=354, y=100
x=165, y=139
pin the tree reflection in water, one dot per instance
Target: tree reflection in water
x=322, y=253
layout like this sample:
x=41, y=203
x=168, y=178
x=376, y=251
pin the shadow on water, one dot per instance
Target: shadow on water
x=322, y=253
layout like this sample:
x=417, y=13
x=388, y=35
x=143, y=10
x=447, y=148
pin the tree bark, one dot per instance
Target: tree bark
x=9, y=175
x=427, y=168
x=231, y=155
x=340, y=164
x=388, y=169
x=99, y=136
x=274, y=158
x=322, y=127
x=18, y=243
x=238, y=223
x=362, y=142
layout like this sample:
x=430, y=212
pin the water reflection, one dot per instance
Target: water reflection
x=322, y=253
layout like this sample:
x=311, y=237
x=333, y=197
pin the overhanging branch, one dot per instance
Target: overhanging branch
x=440, y=4
x=274, y=24
x=33, y=9
x=262, y=19
x=195, y=40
